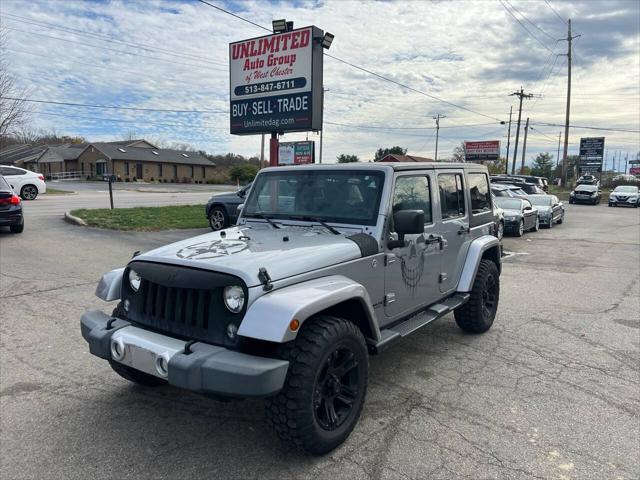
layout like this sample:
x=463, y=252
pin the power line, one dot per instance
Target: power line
x=123, y=52
x=107, y=38
x=382, y=77
x=588, y=127
x=524, y=26
x=114, y=107
x=135, y=122
x=529, y=21
x=554, y=11
x=234, y=15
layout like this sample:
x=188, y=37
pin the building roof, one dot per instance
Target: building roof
x=393, y=157
x=14, y=154
x=156, y=155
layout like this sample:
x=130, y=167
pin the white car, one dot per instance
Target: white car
x=25, y=182
x=625, y=195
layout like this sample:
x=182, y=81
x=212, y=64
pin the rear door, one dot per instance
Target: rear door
x=454, y=226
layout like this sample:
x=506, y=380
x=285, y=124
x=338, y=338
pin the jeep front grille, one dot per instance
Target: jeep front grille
x=182, y=302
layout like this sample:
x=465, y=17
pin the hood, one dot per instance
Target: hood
x=508, y=212
x=242, y=251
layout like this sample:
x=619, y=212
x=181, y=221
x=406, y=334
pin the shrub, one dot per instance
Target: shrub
x=134, y=179
x=127, y=179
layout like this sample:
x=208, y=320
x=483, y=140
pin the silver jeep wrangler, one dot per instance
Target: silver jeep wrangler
x=327, y=265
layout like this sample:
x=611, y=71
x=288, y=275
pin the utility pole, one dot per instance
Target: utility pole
x=520, y=95
x=437, y=119
x=558, y=155
x=262, y=152
x=506, y=165
x=322, y=129
x=568, y=111
x=524, y=146
x=626, y=161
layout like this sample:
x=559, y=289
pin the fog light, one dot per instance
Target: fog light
x=162, y=366
x=232, y=330
x=117, y=350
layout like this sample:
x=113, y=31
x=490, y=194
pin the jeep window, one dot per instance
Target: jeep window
x=413, y=193
x=338, y=196
x=479, y=192
x=451, y=195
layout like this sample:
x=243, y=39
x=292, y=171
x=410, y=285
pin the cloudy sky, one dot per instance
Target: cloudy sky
x=470, y=55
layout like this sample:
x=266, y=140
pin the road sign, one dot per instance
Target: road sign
x=486, y=151
x=296, y=153
x=276, y=82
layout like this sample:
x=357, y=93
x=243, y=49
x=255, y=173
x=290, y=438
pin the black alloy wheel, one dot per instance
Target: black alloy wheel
x=336, y=388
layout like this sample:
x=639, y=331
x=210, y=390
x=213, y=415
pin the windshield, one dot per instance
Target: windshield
x=587, y=188
x=509, y=203
x=339, y=196
x=542, y=200
x=626, y=189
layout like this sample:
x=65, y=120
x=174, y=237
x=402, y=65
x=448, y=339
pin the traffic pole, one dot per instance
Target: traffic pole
x=273, y=150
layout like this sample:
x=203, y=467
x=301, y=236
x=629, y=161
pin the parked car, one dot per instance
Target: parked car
x=499, y=216
x=587, y=180
x=624, y=195
x=290, y=303
x=585, y=194
x=10, y=208
x=516, y=190
x=527, y=188
x=25, y=182
x=222, y=209
x=550, y=209
x=541, y=182
x=500, y=190
x=519, y=215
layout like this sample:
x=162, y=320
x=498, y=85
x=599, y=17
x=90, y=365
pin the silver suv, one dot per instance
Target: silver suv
x=327, y=265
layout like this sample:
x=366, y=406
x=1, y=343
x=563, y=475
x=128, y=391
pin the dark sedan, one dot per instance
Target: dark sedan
x=519, y=215
x=222, y=209
x=585, y=194
x=550, y=209
x=10, y=208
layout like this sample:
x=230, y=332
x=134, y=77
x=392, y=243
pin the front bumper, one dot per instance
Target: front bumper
x=584, y=199
x=208, y=369
x=626, y=201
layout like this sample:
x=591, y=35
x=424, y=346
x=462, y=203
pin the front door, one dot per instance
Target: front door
x=139, y=174
x=411, y=271
x=454, y=227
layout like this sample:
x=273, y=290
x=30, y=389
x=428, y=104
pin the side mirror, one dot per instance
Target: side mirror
x=406, y=222
x=239, y=208
x=527, y=208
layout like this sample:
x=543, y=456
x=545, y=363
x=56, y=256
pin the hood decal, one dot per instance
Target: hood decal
x=212, y=249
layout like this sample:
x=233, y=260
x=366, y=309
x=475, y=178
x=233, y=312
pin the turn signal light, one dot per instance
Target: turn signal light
x=294, y=325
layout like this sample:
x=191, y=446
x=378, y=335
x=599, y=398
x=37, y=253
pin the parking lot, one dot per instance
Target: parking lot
x=551, y=391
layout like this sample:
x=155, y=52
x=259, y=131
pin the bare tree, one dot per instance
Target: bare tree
x=14, y=111
x=458, y=155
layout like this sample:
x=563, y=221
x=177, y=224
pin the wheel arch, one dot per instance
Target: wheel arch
x=211, y=206
x=485, y=247
x=268, y=318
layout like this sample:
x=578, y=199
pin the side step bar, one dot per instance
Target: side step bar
x=390, y=335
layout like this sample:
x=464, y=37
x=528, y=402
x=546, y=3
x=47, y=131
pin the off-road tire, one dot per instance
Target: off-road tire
x=293, y=411
x=136, y=376
x=473, y=316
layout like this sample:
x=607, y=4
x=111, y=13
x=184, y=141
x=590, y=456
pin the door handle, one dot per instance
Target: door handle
x=464, y=229
x=436, y=239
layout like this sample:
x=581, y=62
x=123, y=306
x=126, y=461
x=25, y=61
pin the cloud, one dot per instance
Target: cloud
x=173, y=55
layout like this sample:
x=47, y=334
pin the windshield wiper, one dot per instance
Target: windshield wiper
x=306, y=218
x=263, y=217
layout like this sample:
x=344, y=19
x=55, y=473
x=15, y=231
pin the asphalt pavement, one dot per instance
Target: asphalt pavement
x=551, y=391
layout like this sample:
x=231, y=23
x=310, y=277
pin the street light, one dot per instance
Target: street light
x=279, y=26
x=327, y=39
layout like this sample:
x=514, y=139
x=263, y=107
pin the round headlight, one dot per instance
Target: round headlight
x=234, y=298
x=134, y=280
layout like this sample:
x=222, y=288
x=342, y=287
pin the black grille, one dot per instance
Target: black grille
x=183, y=302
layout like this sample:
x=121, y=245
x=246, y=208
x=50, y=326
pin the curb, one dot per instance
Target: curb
x=74, y=220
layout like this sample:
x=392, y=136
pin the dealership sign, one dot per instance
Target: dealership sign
x=296, y=153
x=591, y=154
x=487, y=151
x=276, y=82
